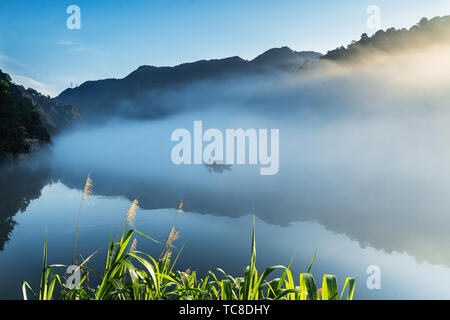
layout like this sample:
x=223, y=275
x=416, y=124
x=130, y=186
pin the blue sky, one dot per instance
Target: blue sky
x=117, y=36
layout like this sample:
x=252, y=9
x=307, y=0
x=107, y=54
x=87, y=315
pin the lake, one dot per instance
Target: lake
x=358, y=189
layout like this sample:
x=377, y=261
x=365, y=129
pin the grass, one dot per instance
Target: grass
x=129, y=274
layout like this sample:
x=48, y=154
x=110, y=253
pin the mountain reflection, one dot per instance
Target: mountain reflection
x=20, y=184
x=390, y=229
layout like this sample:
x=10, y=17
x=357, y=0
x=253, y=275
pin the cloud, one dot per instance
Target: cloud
x=16, y=69
x=80, y=47
x=7, y=60
x=68, y=43
x=28, y=82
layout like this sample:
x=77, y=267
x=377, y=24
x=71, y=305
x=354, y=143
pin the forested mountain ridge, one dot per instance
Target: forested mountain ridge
x=27, y=117
x=54, y=114
x=425, y=33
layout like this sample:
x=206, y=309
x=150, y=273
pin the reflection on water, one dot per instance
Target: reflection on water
x=21, y=183
x=209, y=241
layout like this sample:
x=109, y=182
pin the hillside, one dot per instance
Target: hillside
x=27, y=117
x=55, y=115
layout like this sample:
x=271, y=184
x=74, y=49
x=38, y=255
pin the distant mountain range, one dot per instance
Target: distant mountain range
x=128, y=97
x=99, y=98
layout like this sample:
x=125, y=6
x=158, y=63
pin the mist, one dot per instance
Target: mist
x=364, y=150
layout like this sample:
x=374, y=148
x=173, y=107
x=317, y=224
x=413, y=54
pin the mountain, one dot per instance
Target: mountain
x=55, y=115
x=27, y=117
x=285, y=59
x=96, y=99
x=426, y=33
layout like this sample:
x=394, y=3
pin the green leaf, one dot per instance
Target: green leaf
x=351, y=288
x=308, y=284
x=329, y=288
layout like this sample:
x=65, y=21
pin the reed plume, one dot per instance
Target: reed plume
x=133, y=245
x=131, y=213
x=87, y=191
x=129, y=218
x=171, y=237
x=166, y=256
x=186, y=274
x=88, y=186
x=179, y=210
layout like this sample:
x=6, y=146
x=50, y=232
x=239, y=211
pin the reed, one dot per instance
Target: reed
x=129, y=274
x=87, y=191
x=134, y=275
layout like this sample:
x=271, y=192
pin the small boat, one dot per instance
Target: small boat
x=217, y=166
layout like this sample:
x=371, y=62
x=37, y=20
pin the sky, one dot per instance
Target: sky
x=116, y=36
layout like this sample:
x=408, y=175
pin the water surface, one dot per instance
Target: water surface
x=381, y=209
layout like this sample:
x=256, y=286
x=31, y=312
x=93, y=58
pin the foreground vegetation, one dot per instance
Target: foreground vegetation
x=129, y=274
